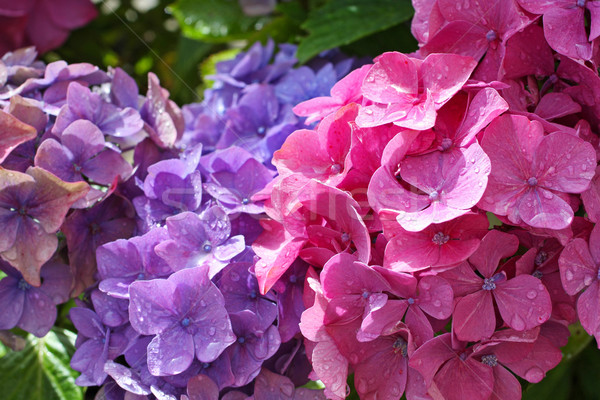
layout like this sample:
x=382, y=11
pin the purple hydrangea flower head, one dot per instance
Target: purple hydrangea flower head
x=96, y=343
x=200, y=239
x=258, y=122
x=171, y=186
x=304, y=83
x=81, y=152
x=124, y=261
x=85, y=230
x=82, y=103
x=32, y=208
x=251, y=348
x=532, y=173
x=186, y=312
x=240, y=291
x=271, y=386
x=33, y=308
x=233, y=182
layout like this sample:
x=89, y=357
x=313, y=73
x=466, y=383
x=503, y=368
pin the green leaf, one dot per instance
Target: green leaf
x=215, y=21
x=578, y=341
x=341, y=22
x=41, y=371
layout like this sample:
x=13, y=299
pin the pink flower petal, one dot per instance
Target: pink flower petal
x=523, y=302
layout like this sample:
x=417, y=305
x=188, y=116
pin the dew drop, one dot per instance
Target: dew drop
x=531, y=294
x=517, y=323
x=534, y=375
x=569, y=275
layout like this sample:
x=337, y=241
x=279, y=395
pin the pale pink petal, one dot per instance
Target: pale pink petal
x=392, y=79
x=445, y=74
x=540, y=208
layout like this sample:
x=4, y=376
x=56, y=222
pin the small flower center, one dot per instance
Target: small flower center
x=400, y=346
x=537, y=274
x=490, y=360
x=411, y=301
x=245, y=200
x=293, y=279
x=336, y=168
x=205, y=365
x=241, y=340
x=23, y=285
x=581, y=3
x=541, y=257
x=532, y=181
x=433, y=196
x=490, y=283
x=141, y=276
x=261, y=130
x=365, y=294
x=345, y=237
x=94, y=228
x=207, y=248
x=440, y=239
x=446, y=143
x=185, y=322
x=252, y=294
x=491, y=35
x=77, y=168
x=22, y=211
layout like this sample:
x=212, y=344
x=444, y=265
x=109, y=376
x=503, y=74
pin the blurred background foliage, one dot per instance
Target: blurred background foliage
x=181, y=40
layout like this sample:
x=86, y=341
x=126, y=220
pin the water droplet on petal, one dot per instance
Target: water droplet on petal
x=531, y=294
x=569, y=275
x=517, y=323
x=534, y=375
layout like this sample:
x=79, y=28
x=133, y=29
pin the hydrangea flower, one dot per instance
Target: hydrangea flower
x=186, y=313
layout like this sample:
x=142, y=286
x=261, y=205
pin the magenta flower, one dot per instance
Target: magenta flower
x=322, y=154
x=523, y=301
x=438, y=245
x=532, y=173
x=446, y=185
x=408, y=91
x=580, y=271
x=45, y=24
x=475, y=29
x=565, y=24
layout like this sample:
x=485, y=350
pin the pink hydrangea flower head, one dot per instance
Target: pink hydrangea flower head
x=532, y=173
x=408, y=91
x=523, y=301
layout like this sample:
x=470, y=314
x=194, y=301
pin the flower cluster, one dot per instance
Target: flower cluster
x=446, y=203
x=150, y=210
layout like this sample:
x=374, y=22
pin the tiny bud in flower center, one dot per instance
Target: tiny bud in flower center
x=245, y=200
x=581, y=3
x=532, y=181
x=440, y=239
x=23, y=285
x=434, y=195
x=185, y=322
x=411, y=301
x=489, y=360
x=345, y=237
x=491, y=35
x=207, y=248
x=541, y=257
x=537, y=274
x=446, y=143
x=336, y=168
x=401, y=346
